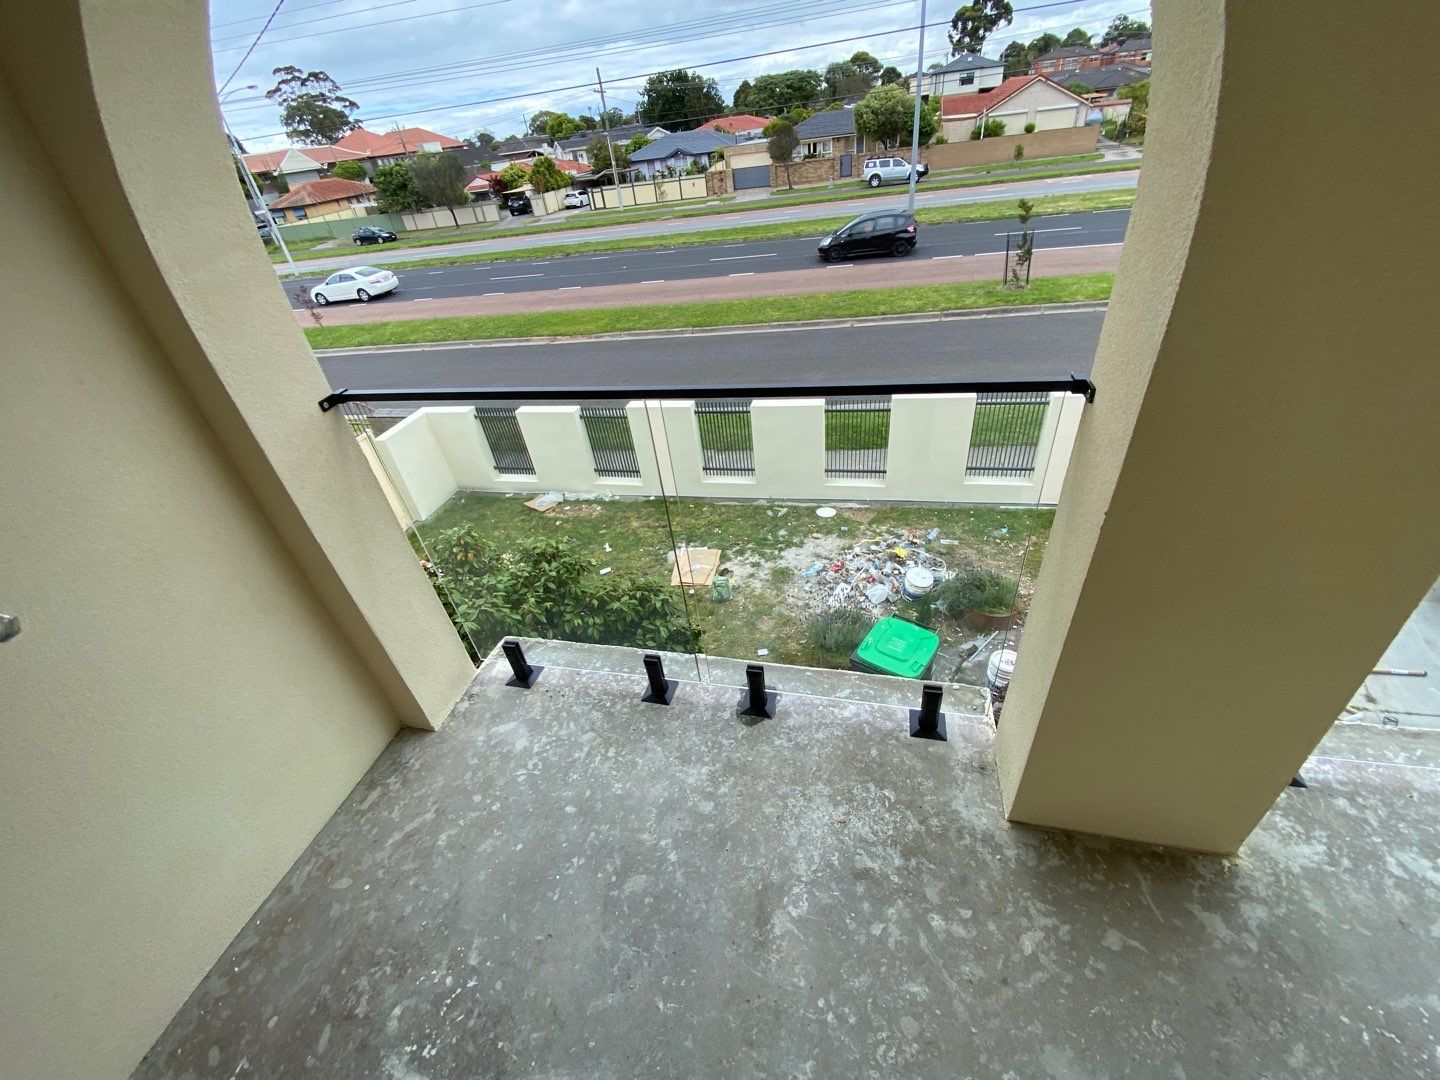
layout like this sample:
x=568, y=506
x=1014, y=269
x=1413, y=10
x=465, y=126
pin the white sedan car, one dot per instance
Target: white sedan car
x=576, y=200
x=356, y=283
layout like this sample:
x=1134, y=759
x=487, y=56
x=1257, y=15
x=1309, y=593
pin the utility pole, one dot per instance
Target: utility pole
x=605, y=122
x=915, y=124
x=250, y=182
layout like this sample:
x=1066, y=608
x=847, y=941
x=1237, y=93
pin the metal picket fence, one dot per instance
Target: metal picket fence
x=611, y=443
x=1006, y=433
x=506, y=440
x=727, y=445
x=857, y=437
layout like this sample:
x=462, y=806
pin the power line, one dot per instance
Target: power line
x=366, y=26
x=308, y=22
x=251, y=49
x=293, y=9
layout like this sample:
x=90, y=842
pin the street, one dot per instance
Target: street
x=1021, y=342
x=521, y=238
x=658, y=266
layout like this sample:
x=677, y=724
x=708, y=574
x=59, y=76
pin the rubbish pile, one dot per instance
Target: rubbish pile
x=873, y=573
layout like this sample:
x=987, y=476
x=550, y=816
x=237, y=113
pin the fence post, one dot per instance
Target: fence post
x=756, y=701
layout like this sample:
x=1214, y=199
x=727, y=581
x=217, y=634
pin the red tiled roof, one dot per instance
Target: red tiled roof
x=975, y=104
x=482, y=182
x=321, y=155
x=326, y=189
x=409, y=140
x=734, y=125
x=574, y=167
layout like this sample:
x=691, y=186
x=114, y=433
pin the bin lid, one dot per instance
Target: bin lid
x=897, y=647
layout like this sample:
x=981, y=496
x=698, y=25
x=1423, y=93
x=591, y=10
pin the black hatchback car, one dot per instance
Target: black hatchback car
x=881, y=232
x=369, y=234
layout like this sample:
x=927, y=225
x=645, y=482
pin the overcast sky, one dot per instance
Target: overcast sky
x=442, y=64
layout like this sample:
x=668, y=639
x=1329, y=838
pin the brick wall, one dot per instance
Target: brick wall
x=814, y=171
x=717, y=182
x=1057, y=142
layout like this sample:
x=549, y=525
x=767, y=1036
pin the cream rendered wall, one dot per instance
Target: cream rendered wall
x=181, y=714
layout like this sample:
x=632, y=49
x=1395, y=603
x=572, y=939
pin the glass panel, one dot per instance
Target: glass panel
x=541, y=521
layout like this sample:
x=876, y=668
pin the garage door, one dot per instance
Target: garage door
x=753, y=177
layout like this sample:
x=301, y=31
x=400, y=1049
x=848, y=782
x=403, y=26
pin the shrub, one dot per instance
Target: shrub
x=940, y=140
x=1029, y=129
x=349, y=170
x=835, y=634
x=1019, y=151
x=991, y=129
x=1108, y=128
x=546, y=589
x=976, y=590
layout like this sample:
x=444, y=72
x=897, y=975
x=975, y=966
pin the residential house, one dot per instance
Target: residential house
x=481, y=186
x=968, y=73
x=577, y=147
x=297, y=164
x=1065, y=58
x=1018, y=101
x=1105, y=81
x=679, y=150
x=744, y=126
x=830, y=132
x=1134, y=50
x=524, y=148
x=322, y=198
x=390, y=147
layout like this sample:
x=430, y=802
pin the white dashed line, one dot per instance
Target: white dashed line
x=1068, y=228
x=515, y=277
x=734, y=258
x=435, y=271
x=656, y=281
x=747, y=273
x=569, y=288
x=937, y=258
x=492, y=294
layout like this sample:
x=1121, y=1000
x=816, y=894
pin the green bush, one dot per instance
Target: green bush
x=545, y=589
x=349, y=170
x=976, y=590
x=992, y=129
x=1029, y=129
x=835, y=634
x=1108, y=128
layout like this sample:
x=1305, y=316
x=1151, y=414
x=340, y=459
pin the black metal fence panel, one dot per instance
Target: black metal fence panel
x=506, y=440
x=1006, y=433
x=727, y=445
x=611, y=443
x=857, y=437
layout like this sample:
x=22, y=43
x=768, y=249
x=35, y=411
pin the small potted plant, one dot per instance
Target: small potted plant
x=981, y=597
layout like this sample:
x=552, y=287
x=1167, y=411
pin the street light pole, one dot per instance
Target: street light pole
x=605, y=123
x=250, y=180
x=915, y=124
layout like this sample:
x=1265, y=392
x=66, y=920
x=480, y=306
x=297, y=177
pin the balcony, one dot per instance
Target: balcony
x=568, y=881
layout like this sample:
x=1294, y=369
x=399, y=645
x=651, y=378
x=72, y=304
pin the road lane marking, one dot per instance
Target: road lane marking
x=1067, y=228
x=568, y=288
x=747, y=273
x=435, y=271
x=656, y=281
x=937, y=258
x=732, y=245
x=733, y=258
x=492, y=294
x=596, y=258
x=517, y=277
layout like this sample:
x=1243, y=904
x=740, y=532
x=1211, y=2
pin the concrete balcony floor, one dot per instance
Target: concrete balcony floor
x=566, y=882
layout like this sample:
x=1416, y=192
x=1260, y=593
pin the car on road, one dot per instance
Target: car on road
x=354, y=283
x=880, y=232
x=369, y=234
x=576, y=200
x=518, y=203
x=890, y=170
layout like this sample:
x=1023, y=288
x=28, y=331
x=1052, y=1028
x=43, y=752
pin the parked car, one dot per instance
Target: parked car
x=356, y=283
x=577, y=200
x=881, y=232
x=267, y=234
x=369, y=234
x=517, y=202
x=890, y=170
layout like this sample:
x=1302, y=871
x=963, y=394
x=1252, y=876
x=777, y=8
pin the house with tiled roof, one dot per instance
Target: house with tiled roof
x=524, y=148
x=1017, y=102
x=743, y=125
x=577, y=147
x=401, y=144
x=829, y=133
x=315, y=159
x=322, y=198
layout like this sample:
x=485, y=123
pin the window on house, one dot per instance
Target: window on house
x=967, y=79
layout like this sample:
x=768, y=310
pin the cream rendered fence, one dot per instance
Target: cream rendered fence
x=473, y=214
x=437, y=451
x=650, y=192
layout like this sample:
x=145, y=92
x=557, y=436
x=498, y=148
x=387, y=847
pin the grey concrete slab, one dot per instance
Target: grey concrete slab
x=1412, y=701
x=565, y=882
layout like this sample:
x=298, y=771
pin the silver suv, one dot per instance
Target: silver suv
x=890, y=170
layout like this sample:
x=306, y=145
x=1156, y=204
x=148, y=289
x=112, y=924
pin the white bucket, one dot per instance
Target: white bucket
x=918, y=582
x=999, y=668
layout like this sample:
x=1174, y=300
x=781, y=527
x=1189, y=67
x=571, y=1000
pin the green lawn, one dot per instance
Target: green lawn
x=857, y=429
x=753, y=539
x=1007, y=425
x=857, y=303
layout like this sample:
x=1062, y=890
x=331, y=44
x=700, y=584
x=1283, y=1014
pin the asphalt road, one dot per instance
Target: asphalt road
x=520, y=238
x=658, y=265
x=1033, y=342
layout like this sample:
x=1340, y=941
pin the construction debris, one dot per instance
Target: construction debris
x=547, y=502
x=869, y=574
x=695, y=565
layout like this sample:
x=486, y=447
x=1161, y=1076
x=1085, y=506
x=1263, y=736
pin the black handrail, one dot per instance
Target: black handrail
x=1075, y=384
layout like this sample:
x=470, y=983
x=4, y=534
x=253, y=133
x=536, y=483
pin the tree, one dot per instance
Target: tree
x=1043, y=44
x=639, y=142
x=586, y=122
x=782, y=143
x=741, y=101
x=395, y=190
x=867, y=66
x=1138, y=94
x=349, y=170
x=440, y=179
x=772, y=95
x=1078, y=36
x=513, y=176
x=845, y=82
x=1016, y=58
x=1122, y=27
x=482, y=140
x=891, y=75
x=613, y=116
x=539, y=121
x=561, y=126
x=545, y=175
x=312, y=109
x=976, y=21
x=1075, y=86
x=679, y=100
x=1025, y=249
x=598, y=151
x=886, y=115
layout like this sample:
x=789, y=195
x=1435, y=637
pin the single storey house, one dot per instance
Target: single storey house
x=745, y=126
x=322, y=198
x=1022, y=100
x=830, y=133
x=577, y=147
x=678, y=151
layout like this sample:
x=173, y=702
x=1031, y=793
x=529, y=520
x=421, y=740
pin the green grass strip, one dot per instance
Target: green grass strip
x=761, y=310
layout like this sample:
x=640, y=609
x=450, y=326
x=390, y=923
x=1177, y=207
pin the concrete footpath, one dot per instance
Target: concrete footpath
x=839, y=277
